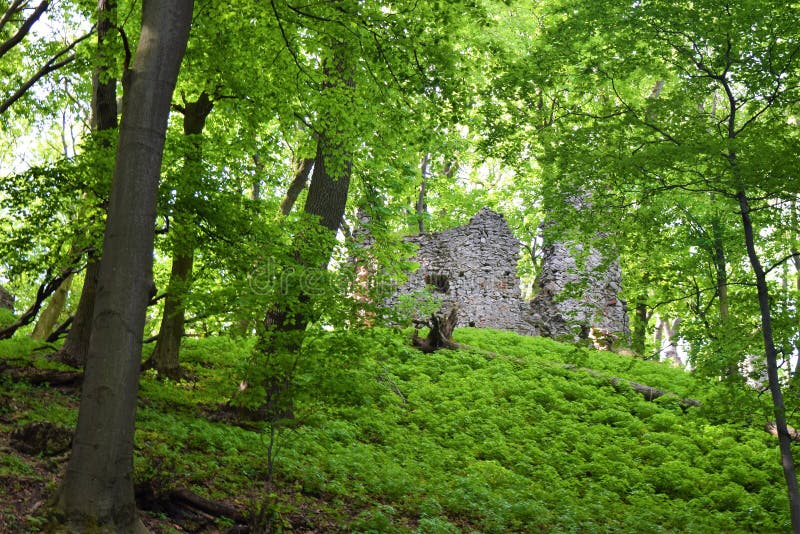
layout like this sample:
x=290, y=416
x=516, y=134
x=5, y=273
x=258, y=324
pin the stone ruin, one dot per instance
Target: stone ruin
x=6, y=299
x=474, y=267
x=578, y=296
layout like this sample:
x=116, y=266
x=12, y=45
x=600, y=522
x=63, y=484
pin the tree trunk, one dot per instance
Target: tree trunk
x=255, y=191
x=796, y=263
x=298, y=184
x=657, y=336
x=76, y=346
x=666, y=334
x=327, y=194
x=422, y=206
x=104, y=118
x=640, y=320
x=721, y=269
x=166, y=354
x=104, y=86
x=49, y=317
x=97, y=492
x=283, y=328
x=771, y=354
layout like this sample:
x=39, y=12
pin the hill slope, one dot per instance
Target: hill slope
x=515, y=434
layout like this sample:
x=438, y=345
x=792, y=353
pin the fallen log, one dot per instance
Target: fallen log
x=42, y=376
x=648, y=392
x=215, y=508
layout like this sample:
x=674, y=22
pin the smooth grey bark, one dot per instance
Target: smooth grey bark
x=104, y=118
x=771, y=355
x=166, y=354
x=97, y=491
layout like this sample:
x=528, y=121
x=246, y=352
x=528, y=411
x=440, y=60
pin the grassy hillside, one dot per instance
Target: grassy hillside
x=514, y=434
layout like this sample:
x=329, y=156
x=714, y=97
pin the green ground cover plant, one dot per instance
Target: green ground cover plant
x=509, y=434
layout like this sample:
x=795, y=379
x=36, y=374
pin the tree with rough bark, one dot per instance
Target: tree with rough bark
x=351, y=71
x=166, y=355
x=97, y=489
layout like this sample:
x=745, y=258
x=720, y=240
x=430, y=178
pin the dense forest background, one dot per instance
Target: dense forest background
x=188, y=190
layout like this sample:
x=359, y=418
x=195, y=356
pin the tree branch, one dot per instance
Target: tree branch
x=781, y=261
x=51, y=65
x=45, y=290
x=14, y=8
x=15, y=39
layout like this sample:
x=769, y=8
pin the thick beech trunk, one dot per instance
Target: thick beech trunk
x=771, y=354
x=97, y=492
x=166, y=354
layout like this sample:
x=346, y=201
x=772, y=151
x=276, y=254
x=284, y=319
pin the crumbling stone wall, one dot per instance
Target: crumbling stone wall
x=6, y=299
x=475, y=267
x=579, y=296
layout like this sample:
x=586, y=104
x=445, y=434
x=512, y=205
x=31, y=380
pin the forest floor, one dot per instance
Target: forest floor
x=29, y=477
x=513, y=434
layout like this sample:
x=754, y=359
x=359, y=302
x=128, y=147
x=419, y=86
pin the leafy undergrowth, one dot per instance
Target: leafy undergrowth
x=513, y=435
